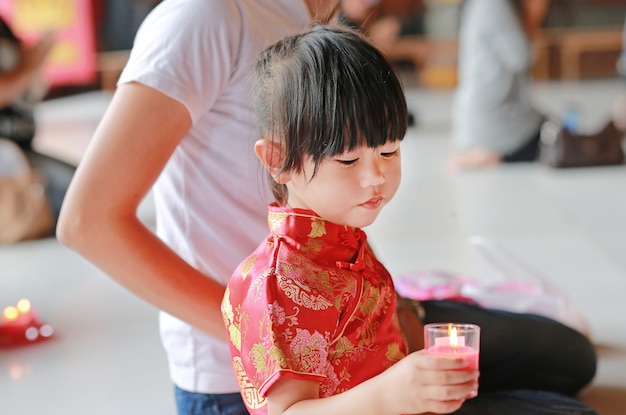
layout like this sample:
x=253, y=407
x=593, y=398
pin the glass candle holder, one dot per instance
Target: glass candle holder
x=453, y=340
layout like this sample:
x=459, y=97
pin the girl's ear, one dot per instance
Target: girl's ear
x=271, y=155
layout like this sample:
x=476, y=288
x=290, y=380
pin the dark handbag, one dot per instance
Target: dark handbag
x=562, y=148
x=17, y=125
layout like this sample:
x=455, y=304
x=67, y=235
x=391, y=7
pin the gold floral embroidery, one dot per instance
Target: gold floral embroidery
x=323, y=282
x=235, y=336
x=318, y=228
x=274, y=220
x=343, y=346
x=313, y=246
x=246, y=266
x=368, y=334
x=298, y=295
x=394, y=352
x=256, y=286
x=371, y=300
x=248, y=391
x=317, y=278
x=229, y=321
x=258, y=356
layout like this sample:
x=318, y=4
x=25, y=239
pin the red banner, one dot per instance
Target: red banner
x=72, y=61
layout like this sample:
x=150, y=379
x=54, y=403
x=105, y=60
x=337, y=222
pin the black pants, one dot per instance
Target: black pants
x=526, y=361
x=58, y=175
x=524, y=402
x=529, y=151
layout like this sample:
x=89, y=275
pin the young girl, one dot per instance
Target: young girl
x=311, y=314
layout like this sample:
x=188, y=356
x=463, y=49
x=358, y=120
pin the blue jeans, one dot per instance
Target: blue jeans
x=192, y=403
x=523, y=402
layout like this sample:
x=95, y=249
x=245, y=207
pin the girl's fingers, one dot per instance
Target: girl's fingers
x=437, y=362
x=450, y=392
x=450, y=377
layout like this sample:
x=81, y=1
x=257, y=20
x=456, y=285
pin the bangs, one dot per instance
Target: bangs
x=361, y=99
x=326, y=92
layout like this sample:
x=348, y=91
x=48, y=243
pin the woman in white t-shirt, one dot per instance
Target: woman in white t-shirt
x=181, y=123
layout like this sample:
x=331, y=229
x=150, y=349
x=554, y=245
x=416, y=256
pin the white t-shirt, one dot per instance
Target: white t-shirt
x=211, y=199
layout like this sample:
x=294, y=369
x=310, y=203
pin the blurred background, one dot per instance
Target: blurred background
x=573, y=39
x=106, y=357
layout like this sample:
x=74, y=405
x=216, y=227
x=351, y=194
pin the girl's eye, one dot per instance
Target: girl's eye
x=389, y=154
x=347, y=162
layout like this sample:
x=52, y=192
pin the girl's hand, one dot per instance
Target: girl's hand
x=422, y=383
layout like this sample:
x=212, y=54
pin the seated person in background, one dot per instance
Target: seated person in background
x=494, y=119
x=32, y=194
x=21, y=84
x=25, y=211
x=22, y=87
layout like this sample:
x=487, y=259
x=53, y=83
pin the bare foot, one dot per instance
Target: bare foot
x=474, y=158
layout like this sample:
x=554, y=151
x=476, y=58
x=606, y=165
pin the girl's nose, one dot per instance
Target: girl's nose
x=373, y=175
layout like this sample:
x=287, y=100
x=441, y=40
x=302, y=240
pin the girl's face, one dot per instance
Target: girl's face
x=351, y=188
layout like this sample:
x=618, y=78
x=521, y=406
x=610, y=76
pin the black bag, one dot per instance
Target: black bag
x=17, y=125
x=561, y=148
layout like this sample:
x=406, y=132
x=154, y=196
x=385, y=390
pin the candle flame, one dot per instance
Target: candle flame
x=454, y=341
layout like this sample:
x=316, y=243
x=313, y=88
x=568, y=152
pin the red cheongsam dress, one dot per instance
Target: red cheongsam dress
x=311, y=303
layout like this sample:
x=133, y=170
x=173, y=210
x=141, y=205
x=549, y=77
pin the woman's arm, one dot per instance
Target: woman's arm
x=130, y=148
x=417, y=384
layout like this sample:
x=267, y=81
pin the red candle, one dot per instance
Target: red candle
x=449, y=351
x=453, y=340
x=20, y=315
x=19, y=325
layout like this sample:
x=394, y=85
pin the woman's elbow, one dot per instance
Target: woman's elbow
x=73, y=226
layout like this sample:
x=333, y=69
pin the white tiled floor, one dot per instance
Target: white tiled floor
x=568, y=225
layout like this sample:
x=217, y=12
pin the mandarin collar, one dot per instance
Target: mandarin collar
x=312, y=233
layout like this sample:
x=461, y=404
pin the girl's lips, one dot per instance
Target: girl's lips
x=373, y=203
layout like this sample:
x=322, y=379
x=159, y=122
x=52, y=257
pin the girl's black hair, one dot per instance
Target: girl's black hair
x=324, y=92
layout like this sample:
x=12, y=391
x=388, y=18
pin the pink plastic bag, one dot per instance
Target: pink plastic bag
x=519, y=288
